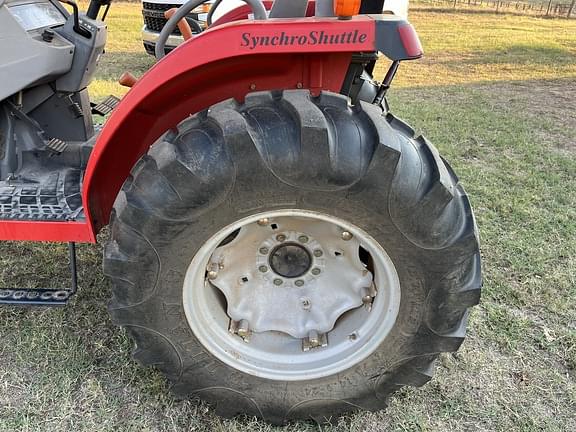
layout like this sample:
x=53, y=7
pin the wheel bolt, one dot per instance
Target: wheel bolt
x=316, y=271
x=263, y=221
x=263, y=269
x=346, y=235
x=306, y=304
x=212, y=275
x=243, y=328
x=299, y=283
x=278, y=282
x=303, y=239
x=263, y=250
x=281, y=238
x=318, y=253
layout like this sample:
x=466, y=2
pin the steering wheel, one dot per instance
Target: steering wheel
x=257, y=7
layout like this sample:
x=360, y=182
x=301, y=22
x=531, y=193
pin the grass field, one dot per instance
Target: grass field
x=497, y=95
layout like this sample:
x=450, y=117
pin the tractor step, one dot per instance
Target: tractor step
x=48, y=196
x=106, y=106
x=43, y=296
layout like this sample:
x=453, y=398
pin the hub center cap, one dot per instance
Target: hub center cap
x=290, y=260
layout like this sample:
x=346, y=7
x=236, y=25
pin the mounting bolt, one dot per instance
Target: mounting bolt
x=243, y=328
x=278, y=282
x=281, y=238
x=313, y=338
x=318, y=253
x=263, y=221
x=306, y=303
x=303, y=239
x=212, y=274
x=263, y=269
x=346, y=235
x=252, y=86
x=316, y=271
x=263, y=250
x=299, y=85
x=299, y=283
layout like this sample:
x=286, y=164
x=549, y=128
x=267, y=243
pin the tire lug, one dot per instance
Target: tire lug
x=347, y=235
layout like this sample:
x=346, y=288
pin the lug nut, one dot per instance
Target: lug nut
x=263, y=221
x=263, y=250
x=263, y=269
x=281, y=238
x=303, y=239
x=316, y=271
x=212, y=275
x=299, y=283
x=278, y=282
x=318, y=253
x=346, y=235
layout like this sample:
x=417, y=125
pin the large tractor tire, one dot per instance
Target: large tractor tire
x=293, y=257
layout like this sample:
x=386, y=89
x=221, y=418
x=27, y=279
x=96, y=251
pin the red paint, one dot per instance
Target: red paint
x=214, y=66
x=410, y=41
x=207, y=69
x=79, y=232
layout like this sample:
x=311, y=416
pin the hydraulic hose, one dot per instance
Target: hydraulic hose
x=211, y=12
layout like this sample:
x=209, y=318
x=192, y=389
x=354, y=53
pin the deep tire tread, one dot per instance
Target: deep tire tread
x=202, y=160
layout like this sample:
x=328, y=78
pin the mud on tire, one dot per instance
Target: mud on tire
x=283, y=150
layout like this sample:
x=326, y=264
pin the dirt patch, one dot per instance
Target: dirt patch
x=550, y=103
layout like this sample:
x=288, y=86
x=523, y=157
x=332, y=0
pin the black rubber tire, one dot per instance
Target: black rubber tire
x=291, y=150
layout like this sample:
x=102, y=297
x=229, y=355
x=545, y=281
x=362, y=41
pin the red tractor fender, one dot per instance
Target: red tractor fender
x=227, y=61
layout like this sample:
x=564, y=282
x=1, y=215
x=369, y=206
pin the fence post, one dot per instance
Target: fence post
x=570, y=8
x=549, y=7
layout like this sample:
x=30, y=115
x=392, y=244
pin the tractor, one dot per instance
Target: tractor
x=279, y=244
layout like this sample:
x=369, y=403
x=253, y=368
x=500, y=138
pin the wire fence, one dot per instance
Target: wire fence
x=542, y=8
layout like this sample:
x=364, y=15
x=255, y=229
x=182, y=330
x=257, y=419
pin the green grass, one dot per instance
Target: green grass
x=496, y=95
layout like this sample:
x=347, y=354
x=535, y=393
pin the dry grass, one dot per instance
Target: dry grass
x=496, y=94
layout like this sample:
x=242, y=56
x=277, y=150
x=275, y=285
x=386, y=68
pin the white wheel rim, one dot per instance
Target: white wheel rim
x=275, y=355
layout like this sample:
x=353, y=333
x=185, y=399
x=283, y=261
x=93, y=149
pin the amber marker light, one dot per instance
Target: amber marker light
x=346, y=9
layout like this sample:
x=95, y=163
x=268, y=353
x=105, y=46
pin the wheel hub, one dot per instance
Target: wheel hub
x=292, y=275
x=290, y=260
x=246, y=310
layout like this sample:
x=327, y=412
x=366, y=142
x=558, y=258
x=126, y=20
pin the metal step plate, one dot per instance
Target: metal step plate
x=53, y=196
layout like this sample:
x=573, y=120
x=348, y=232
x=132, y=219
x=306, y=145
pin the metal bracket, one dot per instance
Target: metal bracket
x=43, y=296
